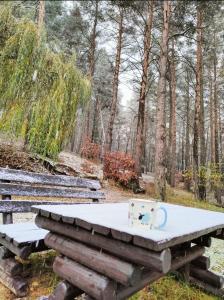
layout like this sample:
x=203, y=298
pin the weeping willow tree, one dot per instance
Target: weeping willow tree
x=39, y=90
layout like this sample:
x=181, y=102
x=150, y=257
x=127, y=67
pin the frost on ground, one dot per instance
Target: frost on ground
x=216, y=254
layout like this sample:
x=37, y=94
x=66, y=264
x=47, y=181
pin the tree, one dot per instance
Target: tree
x=143, y=89
x=160, y=155
x=200, y=189
x=172, y=125
x=113, y=108
x=42, y=105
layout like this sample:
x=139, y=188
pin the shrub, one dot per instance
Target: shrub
x=121, y=168
x=90, y=150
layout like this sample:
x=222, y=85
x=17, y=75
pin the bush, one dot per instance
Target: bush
x=121, y=168
x=90, y=150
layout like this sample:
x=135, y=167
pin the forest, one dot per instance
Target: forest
x=139, y=80
x=129, y=93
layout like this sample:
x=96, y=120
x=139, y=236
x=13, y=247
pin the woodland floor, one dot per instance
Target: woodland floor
x=42, y=280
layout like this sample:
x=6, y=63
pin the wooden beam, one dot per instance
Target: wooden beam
x=202, y=262
x=16, y=285
x=87, y=280
x=11, y=266
x=150, y=276
x=160, y=261
x=22, y=252
x=18, y=206
x=65, y=291
x=207, y=288
x=5, y=253
x=207, y=277
x=24, y=190
x=205, y=241
x=36, y=178
x=110, y=266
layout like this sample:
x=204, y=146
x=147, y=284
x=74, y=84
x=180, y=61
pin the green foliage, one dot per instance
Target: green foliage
x=39, y=90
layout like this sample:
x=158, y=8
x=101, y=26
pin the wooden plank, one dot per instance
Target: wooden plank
x=123, y=236
x=207, y=277
x=187, y=256
x=203, y=241
x=65, y=291
x=59, y=180
x=160, y=261
x=23, y=239
x=110, y=266
x=11, y=266
x=150, y=276
x=23, y=190
x=22, y=252
x=85, y=279
x=18, y=206
x=202, y=262
x=114, y=217
x=11, y=229
x=17, y=285
x=5, y=253
x=7, y=216
x=207, y=288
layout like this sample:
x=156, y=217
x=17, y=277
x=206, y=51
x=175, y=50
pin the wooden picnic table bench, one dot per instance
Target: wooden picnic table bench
x=102, y=256
x=22, y=239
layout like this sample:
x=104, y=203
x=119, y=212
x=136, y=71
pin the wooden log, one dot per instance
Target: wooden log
x=151, y=276
x=5, y=253
x=202, y=262
x=114, y=268
x=7, y=216
x=35, y=178
x=160, y=261
x=17, y=285
x=98, y=286
x=11, y=266
x=24, y=190
x=18, y=206
x=65, y=291
x=207, y=277
x=207, y=288
x=205, y=241
x=22, y=252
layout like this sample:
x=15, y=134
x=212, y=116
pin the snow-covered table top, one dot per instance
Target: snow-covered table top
x=184, y=223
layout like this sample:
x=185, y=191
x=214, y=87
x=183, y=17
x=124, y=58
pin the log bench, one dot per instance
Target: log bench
x=22, y=239
x=101, y=256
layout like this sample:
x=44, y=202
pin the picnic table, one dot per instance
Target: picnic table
x=101, y=255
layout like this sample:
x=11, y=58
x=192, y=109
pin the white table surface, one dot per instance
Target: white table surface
x=181, y=220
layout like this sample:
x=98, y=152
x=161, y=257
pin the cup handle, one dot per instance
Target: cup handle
x=165, y=218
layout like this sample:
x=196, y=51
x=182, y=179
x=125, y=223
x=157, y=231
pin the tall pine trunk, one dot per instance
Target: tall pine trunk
x=198, y=142
x=113, y=108
x=172, y=125
x=143, y=90
x=160, y=155
x=187, y=181
x=91, y=60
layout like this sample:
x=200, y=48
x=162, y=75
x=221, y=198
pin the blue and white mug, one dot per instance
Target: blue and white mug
x=144, y=214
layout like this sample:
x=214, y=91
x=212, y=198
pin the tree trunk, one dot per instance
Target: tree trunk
x=187, y=181
x=160, y=163
x=172, y=126
x=91, y=59
x=143, y=90
x=198, y=126
x=95, y=131
x=113, y=109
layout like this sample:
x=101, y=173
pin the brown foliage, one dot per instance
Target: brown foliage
x=90, y=150
x=121, y=168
